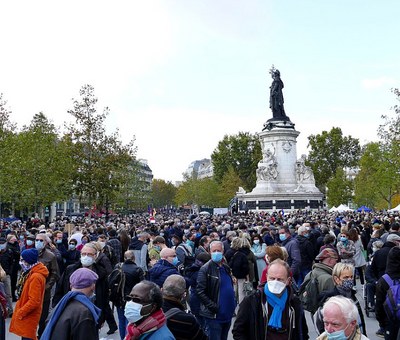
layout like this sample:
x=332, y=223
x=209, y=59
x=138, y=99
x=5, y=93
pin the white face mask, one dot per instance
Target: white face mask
x=86, y=261
x=256, y=241
x=276, y=287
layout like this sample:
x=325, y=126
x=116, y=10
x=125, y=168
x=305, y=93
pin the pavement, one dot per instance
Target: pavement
x=371, y=325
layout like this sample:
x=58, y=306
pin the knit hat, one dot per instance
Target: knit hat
x=83, y=278
x=326, y=253
x=30, y=256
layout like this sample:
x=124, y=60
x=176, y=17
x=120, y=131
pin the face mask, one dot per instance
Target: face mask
x=276, y=287
x=343, y=239
x=339, y=335
x=374, y=250
x=72, y=246
x=86, y=261
x=161, y=234
x=216, y=257
x=84, y=241
x=2, y=246
x=24, y=266
x=21, y=237
x=282, y=237
x=39, y=245
x=306, y=235
x=29, y=242
x=59, y=241
x=133, y=311
x=173, y=242
x=175, y=261
x=103, y=244
x=347, y=284
x=256, y=241
x=158, y=248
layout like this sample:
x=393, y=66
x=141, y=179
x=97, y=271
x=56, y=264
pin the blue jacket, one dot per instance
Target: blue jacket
x=162, y=333
x=161, y=270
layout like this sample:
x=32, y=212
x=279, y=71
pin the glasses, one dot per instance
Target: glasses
x=39, y=240
x=135, y=299
x=171, y=256
x=87, y=254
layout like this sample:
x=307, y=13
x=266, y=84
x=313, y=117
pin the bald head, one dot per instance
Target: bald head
x=167, y=253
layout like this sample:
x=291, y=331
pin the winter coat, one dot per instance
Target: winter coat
x=350, y=249
x=192, y=273
x=294, y=259
x=359, y=258
x=239, y=264
x=306, y=251
x=28, y=309
x=140, y=250
x=259, y=253
x=252, y=318
x=323, y=274
x=161, y=270
x=49, y=260
x=378, y=265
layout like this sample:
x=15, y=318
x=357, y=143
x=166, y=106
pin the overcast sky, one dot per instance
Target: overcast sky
x=179, y=75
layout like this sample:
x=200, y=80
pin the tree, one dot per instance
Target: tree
x=242, y=152
x=99, y=160
x=39, y=173
x=163, y=193
x=329, y=151
x=340, y=189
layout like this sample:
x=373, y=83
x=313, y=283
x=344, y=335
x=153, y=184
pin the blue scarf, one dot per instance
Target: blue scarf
x=278, y=304
x=75, y=295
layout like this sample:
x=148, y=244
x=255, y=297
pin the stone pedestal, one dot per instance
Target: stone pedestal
x=283, y=181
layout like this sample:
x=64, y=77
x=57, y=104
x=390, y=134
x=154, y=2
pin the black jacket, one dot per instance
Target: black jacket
x=133, y=275
x=252, y=318
x=7, y=260
x=208, y=283
x=101, y=287
x=239, y=264
x=306, y=251
x=393, y=270
x=378, y=265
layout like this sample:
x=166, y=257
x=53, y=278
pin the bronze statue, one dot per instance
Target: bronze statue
x=276, y=96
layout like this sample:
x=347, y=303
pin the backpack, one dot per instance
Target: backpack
x=189, y=259
x=116, y=285
x=308, y=293
x=392, y=301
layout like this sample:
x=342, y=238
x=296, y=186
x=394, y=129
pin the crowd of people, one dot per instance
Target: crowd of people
x=188, y=276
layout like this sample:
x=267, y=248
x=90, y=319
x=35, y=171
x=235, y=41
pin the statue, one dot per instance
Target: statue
x=276, y=96
x=303, y=172
x=268, y=166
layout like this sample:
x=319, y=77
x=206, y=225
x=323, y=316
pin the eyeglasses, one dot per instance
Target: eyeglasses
x=87, y=254
x=39, y=240
x=136, y=299
x=171, y=256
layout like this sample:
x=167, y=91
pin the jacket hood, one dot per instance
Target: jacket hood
x=301, y=239
x=393, y=263
x=40, y=268
x=136, y=244
x=245, y=251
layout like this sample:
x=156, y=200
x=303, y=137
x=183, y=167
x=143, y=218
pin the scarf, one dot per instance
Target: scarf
x=22, y=279
x=151, y=323
x=74, y=295
x=278, y=305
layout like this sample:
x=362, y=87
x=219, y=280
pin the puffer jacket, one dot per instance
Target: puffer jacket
x=161, y=270
x=28, y=309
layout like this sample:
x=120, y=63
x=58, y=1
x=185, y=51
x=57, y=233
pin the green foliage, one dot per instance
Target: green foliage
x=339, y=188
x=378, y=178
x=329, y=151
x=100, y=161
x=163, y=193
x=242, y=153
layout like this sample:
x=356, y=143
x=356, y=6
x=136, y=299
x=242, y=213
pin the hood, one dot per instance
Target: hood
x=160, y=267
x=393, y=263
x=40, y=268
x=301, y=239
x=136, y=244
x=245, y=251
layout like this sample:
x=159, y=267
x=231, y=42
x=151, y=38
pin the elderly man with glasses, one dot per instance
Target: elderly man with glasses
x=144, y=313
x=101, y=293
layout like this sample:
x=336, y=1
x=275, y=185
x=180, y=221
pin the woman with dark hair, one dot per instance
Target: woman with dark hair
x=346, y=248
x=359, y=259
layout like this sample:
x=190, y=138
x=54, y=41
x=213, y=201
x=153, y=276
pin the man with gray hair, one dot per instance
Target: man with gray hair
x=229, y=237
x=139, y=247
x=341, y=320
x=181, y=324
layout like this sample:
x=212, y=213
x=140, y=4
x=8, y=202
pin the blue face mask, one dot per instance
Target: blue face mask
x=39, y=245
x=29, y=242
x=158, y=248
x=306, y=235
x=173, y=242
x=21, y=237
x=161, y=234
x=72, y=246
x=2, y=246
x=343, y=239
x=282, y=237
x=59, y=241
x=175, y=261
x=339, y=335
x=216, y=257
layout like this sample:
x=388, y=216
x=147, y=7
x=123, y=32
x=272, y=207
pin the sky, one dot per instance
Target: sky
x=180, y=75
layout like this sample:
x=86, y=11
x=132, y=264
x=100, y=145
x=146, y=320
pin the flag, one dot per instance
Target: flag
x=282, y=212
x=149, y=209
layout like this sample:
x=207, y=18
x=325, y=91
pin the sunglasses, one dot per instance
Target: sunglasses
x=135, y=299
x=38, y=240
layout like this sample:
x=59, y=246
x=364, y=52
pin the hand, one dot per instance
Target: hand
x=234, y=280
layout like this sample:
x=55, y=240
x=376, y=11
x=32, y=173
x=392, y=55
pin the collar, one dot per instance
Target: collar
x=175, y=301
